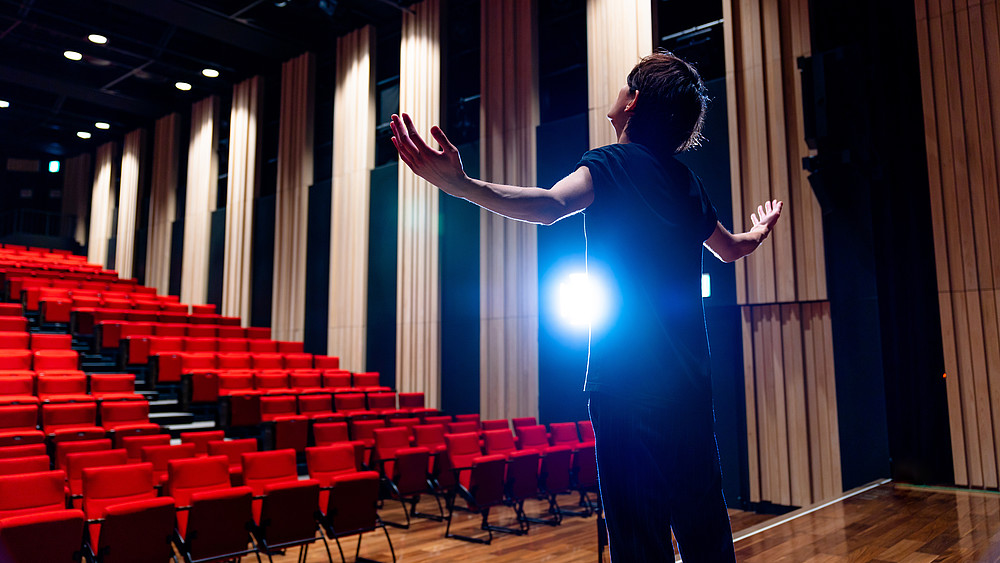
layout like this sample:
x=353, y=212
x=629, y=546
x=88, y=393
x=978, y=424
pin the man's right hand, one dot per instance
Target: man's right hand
x=443, y=168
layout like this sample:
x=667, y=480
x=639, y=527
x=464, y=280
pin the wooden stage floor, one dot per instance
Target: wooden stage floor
x=884, y=523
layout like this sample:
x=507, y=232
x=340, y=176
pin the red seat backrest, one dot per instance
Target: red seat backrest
x=32, y=493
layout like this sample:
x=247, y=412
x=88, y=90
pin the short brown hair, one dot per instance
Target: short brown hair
x=672, y=102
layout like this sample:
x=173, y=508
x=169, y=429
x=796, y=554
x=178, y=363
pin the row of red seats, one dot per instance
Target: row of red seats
x=32, y=388
x=13, y=323
x=59, y=298
x=135, y=339
x=170, y=367
x=39, y=360
x=24, y=284
x=57, y=422
x=23, y=340
x=208, y=386
x=201, y=511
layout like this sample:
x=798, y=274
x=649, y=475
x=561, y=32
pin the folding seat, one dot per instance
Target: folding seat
x=500, y=424
x=207, y=309
x=115, y=303
x=523, y=421
x=522, y=475
x=127, y=418
x=259, y=333
x=306, y=381
x=51, y=342
x=284, y=427
x=133, y=444
x=464, y=427
x=145, y=304
x=480, y=482
x=232, y=345
x=63, y=388
x=364, y=432
x=404, y=469
x=467, y=418
x=17, y=390
x=443, y=420
x=383, y=404
x=326, y=362
x=45, y=360
x=55, y=310
x=200, y=439
x=329, y=461
x=179, y=318
x=413, y=403
x=108, y=333
x=318, y=408
x=27, y=450
x=136, y=525
x=173, y=307
x=11, y=310
x=235, y=333
x=13, y=324
x=114, y=387
x=261, y=469
x=352, y=509
x=262, y=345
x=236, y=382
x=202, y=331
x=136, y=350
x=555, y=471
x=47, y=537
x=272, y=382
x=196, y=344
x=238, y=407
x=63, y=450
x=19, y=465
x=15, y=360
x=352, y=405
x=32, y=493
x=197, y=361
x=297, y=360
x=408, y=423
x=170, y=329
x=218, y=521
x=12, y=340
x=233, y=450
x=142, y=316
x=63, y=422
x=286, y=347
x=368, y=382
x=584, y=465
x=326, y=433
x=338, y=381
x=234, y=360
x=160, y=456
x=268, y=361
x=76, y=462
x=586, y=429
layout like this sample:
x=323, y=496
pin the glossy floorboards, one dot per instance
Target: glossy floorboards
x=888, y=523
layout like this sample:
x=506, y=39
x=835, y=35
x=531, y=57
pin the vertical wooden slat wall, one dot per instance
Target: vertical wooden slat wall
x=619, y=33
x=291, y=219
x=200, y=200
x=101, y=205
x=76, y=194
x=418, y=309
x=128, y=195
x=508, y=360
x=791, y=406
x=959, y=52
x=353, y=159
x=162, y=201
x=241, y=189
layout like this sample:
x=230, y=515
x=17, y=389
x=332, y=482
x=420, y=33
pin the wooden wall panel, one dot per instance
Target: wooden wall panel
x=162, y=201
x=128, y=201
x=101, y=205
x=788, y=357
x=200, y=199
x=959, y=51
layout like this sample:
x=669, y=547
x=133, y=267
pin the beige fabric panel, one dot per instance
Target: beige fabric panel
x=353, y=160
x=101, y=205
x=128, y=199
x=162, y=201
x=295, y=175
x=959, y=51
x=619, y=33
x=418, y=288
x=200, y=200
x=77, y=183
x=508, y=272
x=241, y=190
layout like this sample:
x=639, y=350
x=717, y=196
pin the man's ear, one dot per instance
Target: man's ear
x=630, y=106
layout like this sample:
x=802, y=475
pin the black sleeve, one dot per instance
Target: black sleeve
x=709, y=215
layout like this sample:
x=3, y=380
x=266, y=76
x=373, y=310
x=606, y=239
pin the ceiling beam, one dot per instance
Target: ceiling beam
x=215, y=26
x=76, y=91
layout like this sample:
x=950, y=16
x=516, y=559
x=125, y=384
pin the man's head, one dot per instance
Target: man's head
x=662, y=105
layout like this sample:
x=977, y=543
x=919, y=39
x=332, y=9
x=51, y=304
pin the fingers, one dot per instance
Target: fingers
x=442, y=139
x=403, y=143
x=411, y=131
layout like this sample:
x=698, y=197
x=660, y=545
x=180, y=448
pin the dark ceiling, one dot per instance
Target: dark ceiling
x=152, y=44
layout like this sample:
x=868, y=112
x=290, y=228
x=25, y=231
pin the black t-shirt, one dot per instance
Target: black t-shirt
x=645, y=231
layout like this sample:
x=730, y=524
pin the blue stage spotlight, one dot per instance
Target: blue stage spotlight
x=581, y=301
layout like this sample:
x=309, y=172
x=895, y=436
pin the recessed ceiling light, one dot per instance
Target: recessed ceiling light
x=99, y=39
x=102, y=125
x=210, y=73
x=4, y=104
x=83, y=134
x=72, y=55
x=183, y=86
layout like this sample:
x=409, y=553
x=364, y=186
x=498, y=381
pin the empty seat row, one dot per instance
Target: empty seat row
x=39, y=360
x=62, y=387
x=83, y=320
x=22, y=340
x=31, y=424
x=206, y=386
x=134, y=339
x=34, y=292
x=168, y=367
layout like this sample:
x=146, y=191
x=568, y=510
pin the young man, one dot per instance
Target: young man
x=647, y=217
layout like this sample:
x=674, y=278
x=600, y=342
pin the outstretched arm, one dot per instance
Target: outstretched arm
x=443, y=168
x=729, y=247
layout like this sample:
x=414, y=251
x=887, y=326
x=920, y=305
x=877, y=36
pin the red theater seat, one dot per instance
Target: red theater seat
x=45, y=360
x=46, y=537
x=114, y=387
x=233, y=450
x=13, y=340
x=127, y=418
x=32, y=493
x=19, y=425
x=17, y=389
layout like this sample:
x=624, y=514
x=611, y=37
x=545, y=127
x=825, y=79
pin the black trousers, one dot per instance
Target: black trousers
x=659, y=470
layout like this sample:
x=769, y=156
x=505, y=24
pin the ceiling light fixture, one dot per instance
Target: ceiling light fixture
x=83, y=134
x=4, y=104
x=102, y=125
x=210, y=73
x=182, y=86
x=72, y=55
x=99, y=39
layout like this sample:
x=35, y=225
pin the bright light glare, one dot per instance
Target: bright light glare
x=706, y=285
x=54, y=166
x=4, y=104
x=183, y=86
x=580, y=301
x=102, y=125
x=83, y=134
x=99, y=39
x=72, y=55
x=210, y=73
